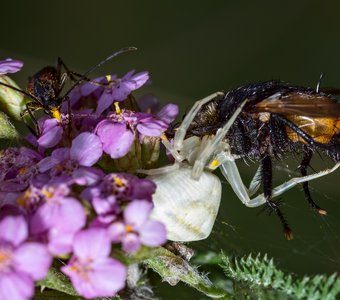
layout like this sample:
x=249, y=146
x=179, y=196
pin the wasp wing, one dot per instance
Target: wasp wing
x=300, y=104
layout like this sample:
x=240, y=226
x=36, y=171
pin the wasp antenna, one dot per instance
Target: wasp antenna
x=322, y=75
x=114, y=54
x=19, y=90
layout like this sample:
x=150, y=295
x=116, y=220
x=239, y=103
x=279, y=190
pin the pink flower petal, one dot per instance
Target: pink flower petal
x=168, y=113
x=60, y=243
x=116, y=231
x=153, y=234
x=33, y=259
x=10, y=65
x=51, y=138
x=16, y=286
x=72, y=215
x=87, y=175
x=104, y=102
x=86, y=149
x=92, y=243
x=47, y=163
x=137, y=212
x=14, y=229
x=116, y=138
x=45, y=217
x=152, y=127
x=131, y=243
x=108, y=277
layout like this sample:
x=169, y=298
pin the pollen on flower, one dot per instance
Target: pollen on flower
x=129, y=228
x=118, y=181
x=24, y=199
x=81, y=270
x=29, y=199
x=5, y=260
x=56, y=113
x=48, y=193
x=22, y=170
x=118, y=111
x=47, y=182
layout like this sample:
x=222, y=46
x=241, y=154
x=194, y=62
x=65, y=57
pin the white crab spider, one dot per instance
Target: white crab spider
x=188, y=194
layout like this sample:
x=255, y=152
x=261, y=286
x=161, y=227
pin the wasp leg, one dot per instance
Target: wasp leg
x=182, y=129
x=267, y=178
x=30, y=107
x=213, y=144
x=303, y=169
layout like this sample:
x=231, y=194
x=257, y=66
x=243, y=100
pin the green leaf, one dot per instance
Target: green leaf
x=173, y=269
x=7, y=130
x=259, y=275
x=11, y=101
x=56, y=280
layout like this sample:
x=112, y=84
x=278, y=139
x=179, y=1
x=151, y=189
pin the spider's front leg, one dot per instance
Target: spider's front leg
x=230, y=172
x=212, y=147
x=181, y=131
x=232, y=175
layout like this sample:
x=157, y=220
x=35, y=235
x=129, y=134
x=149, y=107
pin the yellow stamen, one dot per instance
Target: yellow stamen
x=118, y=181
x=108, y=78
x=56, y=113
x=163, y=137
x=47, y=193
x=117, y=108
x=129, y=228
x=4, y=256
x=22, y=170
x=23, y=199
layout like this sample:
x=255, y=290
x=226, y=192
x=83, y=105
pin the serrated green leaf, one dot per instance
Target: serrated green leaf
x=261, y=273
x=56, y=280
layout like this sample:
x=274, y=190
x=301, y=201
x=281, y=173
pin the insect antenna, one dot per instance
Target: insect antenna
x=84, y=76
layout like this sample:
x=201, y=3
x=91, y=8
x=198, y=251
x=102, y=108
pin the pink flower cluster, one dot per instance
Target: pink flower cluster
x=57, y=202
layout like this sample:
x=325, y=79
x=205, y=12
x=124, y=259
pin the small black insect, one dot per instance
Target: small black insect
x=45, y=88
x=277, y=118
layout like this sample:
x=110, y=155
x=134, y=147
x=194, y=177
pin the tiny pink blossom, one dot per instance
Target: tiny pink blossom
x=21, y=262
x=93, y=273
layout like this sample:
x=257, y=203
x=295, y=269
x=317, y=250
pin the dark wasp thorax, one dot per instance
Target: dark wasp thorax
x=256, y=133
x=45, y=86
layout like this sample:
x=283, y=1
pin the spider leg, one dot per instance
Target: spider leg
x=182, y=129
x=213, y=144
x=230, y=172
x=161, y=170
x=303, y=169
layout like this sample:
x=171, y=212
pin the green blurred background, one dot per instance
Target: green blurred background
x=191, y=49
